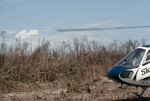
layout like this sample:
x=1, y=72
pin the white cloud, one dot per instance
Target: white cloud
x=23, y=34
x=33, y=32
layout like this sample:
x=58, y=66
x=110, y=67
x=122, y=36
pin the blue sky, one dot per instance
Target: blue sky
x=37, y=19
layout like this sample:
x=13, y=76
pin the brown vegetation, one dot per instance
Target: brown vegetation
x=72, y=65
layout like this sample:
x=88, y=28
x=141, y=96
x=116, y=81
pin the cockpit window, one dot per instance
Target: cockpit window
x=147, y=60
x=148, y=52
x=133, y=59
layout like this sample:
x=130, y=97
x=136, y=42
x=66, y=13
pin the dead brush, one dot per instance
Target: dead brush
x=75, y=63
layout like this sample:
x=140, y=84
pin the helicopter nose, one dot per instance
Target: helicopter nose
x=114, y=72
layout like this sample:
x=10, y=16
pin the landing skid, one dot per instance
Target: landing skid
x=135, y=93
x=141, y=94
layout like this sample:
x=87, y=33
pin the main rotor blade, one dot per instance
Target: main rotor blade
x=94, y=29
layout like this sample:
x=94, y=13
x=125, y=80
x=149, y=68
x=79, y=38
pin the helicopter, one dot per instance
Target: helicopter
x=134, y=68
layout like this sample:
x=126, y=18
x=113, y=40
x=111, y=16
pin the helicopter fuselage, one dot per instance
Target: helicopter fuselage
x=134, y=69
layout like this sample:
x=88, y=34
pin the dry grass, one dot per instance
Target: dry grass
x=72, y=65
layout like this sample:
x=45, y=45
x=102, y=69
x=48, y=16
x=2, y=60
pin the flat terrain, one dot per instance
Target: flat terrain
x=100, y=90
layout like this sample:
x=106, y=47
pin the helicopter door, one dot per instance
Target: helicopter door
x=144, y=71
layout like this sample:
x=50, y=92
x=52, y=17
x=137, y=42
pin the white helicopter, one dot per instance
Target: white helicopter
x=133, y=69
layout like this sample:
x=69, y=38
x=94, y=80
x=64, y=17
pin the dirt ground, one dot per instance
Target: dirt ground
x=102, y=90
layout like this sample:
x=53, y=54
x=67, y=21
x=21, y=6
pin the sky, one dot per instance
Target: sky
x=33, y=20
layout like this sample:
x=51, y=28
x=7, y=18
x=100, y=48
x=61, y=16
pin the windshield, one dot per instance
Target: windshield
x=133, y=59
